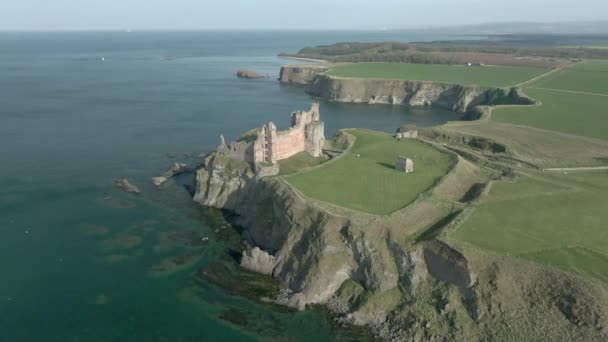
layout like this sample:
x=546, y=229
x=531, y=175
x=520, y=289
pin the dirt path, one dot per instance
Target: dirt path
x=570, y=91
x=540, y=76
x=588, y=168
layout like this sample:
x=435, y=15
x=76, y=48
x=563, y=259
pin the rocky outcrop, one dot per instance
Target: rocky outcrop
x=176, y=169
x=244, y=73
x=454, y=97
x=301, y=73
x=427, y=290
x=126, y=186
x=311, y=251
x=257, y=260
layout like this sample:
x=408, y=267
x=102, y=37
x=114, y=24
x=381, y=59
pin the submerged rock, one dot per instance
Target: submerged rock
x=115, y=258
x=101, y=299
x=121, y=241
x=94, y=229
x=115, y=202
x=125, y=185
x=175, y=264
x=180, y=239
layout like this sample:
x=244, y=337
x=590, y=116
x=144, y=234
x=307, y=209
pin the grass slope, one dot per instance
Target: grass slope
x=559, y=219
x=488, y=76
x=370, y=183
x=579, y=114
x=298, y=162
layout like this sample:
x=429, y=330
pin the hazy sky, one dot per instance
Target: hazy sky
x=285, y=14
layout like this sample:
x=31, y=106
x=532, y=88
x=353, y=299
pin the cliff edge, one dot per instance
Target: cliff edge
x=455, y=97
x=391, y=272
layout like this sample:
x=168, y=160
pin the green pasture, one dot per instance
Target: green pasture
x=487, y=76
x=588, y=76
x=365, y=179
x=579, y=114
x=553, y=218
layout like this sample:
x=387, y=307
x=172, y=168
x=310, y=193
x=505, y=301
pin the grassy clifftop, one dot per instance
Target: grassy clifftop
x=557, y=219
x=487, y=76
x=365, y=178
x=573, y=100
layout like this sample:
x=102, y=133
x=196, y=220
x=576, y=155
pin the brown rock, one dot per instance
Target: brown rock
x=244, y=73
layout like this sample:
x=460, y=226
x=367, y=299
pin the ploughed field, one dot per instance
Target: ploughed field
x=365, y=179
x=573, y=100
x=486, y=76
x=553, y=218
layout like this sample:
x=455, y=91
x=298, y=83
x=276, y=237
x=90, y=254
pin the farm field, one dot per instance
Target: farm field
x=589, y=76
x=486, y=76
x=579, y=114
x=574, y=100
x=370, y=183
x=558, y=219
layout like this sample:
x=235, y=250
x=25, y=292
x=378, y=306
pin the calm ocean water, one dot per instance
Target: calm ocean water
x=77, y=110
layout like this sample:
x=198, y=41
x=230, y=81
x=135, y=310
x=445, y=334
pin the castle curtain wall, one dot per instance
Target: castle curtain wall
x=288, y=143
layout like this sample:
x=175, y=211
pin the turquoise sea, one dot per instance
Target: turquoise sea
x=81, y=261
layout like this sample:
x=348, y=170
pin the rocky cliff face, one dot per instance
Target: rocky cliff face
x=454, y=97
x=314, y=253
x=301, y=74
x=421, y=291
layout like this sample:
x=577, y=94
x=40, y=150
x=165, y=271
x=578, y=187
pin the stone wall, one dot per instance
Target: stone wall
x=307, y=133
x=239, y=150
x=287, y=143
x=315, y=138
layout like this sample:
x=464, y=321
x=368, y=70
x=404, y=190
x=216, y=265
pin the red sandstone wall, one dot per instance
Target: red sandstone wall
x=289, y=143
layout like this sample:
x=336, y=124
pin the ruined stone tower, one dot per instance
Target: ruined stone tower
x=307, y=133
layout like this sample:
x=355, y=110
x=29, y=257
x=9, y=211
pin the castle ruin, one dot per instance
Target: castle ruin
x=268, y=145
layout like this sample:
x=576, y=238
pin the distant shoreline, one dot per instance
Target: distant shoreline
x=303, y=59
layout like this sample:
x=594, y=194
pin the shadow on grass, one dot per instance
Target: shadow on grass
x=603, y=160
x=390, y=166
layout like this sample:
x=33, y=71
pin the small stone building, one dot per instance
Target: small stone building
x=404, y=164
x=406, y=133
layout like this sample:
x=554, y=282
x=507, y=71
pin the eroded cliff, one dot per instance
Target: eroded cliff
x=455, y=97
x=362, y=267
x=301, y=73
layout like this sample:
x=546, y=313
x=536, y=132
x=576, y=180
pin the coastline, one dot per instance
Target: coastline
x=304, y=59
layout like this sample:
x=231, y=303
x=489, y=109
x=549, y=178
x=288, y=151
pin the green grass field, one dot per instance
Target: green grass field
x=579, y=114
x=589, y=76
x=487, y=76
x=370, y=183
x=559, y=219
x=564, y=108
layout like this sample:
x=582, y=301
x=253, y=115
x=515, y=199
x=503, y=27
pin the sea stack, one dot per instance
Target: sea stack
x=244, y=73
